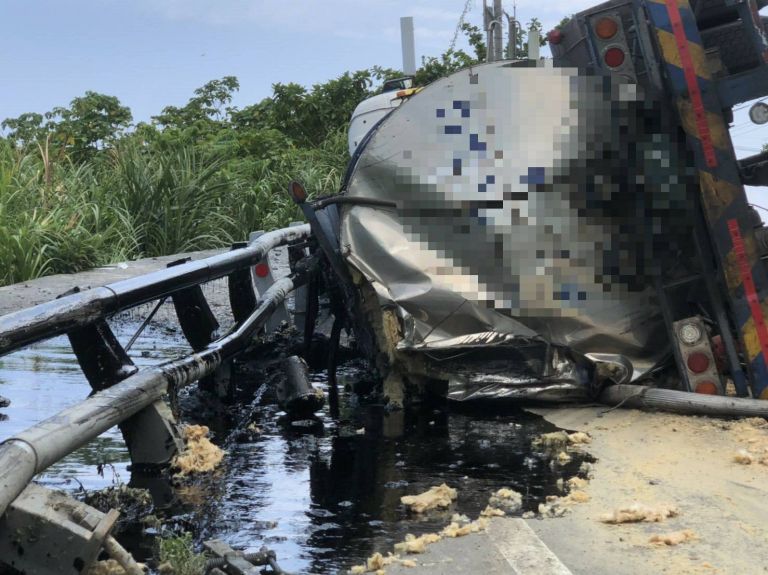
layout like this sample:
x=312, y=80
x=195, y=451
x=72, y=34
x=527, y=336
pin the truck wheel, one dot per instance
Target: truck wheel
x=736, y=50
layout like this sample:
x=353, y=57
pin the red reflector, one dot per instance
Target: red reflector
x=698, y=362
x=606, y=28
x=614, y=57
x=706, y=387
x=262, y=270
x=555, y=36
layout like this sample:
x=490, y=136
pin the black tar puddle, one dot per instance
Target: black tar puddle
x=323, y=495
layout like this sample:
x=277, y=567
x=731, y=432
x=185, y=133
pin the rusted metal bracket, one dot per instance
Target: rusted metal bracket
x=49, y=533
x=150, y=435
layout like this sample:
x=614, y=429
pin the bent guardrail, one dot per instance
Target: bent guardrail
x=124, y=395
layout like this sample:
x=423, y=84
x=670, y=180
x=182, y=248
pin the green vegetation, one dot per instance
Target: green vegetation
x=81, y=186
x=177, y=556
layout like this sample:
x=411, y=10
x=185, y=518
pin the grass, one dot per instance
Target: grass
x=179, y=554
x=132, y=201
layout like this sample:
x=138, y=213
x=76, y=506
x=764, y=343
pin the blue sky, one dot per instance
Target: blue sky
x=152, y=53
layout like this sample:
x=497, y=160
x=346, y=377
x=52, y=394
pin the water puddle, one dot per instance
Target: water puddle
x=323, y=497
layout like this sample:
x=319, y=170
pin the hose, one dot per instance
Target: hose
x=683, y=402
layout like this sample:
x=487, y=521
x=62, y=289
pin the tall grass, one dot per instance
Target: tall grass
x=133, y=201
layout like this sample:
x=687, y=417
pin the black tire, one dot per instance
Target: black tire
x=736, y=49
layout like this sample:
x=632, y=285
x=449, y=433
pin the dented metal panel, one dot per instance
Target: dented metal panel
x=533, y=204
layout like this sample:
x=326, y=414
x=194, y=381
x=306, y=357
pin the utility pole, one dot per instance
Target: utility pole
x=498, y=31
x=488, y=27
x=408, y=45
x=494, y=30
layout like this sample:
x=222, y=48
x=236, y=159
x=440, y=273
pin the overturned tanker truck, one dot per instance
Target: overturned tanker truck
x=558, y=230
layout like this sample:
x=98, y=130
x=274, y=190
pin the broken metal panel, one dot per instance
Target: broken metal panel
x=48, y=533
x=524, y=211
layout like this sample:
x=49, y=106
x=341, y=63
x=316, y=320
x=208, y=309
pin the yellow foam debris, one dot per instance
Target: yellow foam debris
x=508, y=500
x=436, y=498
x=637, y=513
x=579, y=438
x=577, y=482
x=674, y=538
x=743, y=457
x=378, y=561
x=199, y=455
x=357, y=570
x=563, y=458
x=554, y=440
x=457, y=530
x=408, y=563
x=492, y=512
x=413, y=544
x=380, y=572
x=578, y=496
x=108, y=567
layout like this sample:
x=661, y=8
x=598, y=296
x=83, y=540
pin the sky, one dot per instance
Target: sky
x=154, y=53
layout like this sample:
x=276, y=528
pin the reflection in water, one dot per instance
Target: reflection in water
x=44, y=378
x=328, y=500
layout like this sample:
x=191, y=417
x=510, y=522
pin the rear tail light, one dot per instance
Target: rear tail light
x=606, y=28
x=555, y=36
x=707, y=388
x=698, y=362
x=614, y=57
x=697, y=353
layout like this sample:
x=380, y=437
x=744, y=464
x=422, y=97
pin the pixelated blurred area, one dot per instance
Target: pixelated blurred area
x=530, y=201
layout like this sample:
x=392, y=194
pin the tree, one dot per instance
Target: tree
x=208, y=106
x=90, y=122
x=26, y=129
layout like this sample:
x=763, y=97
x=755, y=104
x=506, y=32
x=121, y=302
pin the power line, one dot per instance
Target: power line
x=462, y=18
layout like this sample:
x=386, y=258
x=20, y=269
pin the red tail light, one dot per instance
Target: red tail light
x=707, y=388
x=698, y=362
x=555, y=36
x=614, y=57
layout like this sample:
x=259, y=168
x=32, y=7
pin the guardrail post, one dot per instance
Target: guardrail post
x=300, y=295
x=200, y=327
x=150, y=435
x=263, y=279
x=242, y=297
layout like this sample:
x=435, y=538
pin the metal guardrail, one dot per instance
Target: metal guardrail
x=27, y=326
x=125, y=395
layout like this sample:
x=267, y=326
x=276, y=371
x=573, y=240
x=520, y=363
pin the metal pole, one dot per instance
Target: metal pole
x=498, y=32
x=35, y=449
x=21, y=328
x=488, y=25
x=533, y=44
x=408, y=45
